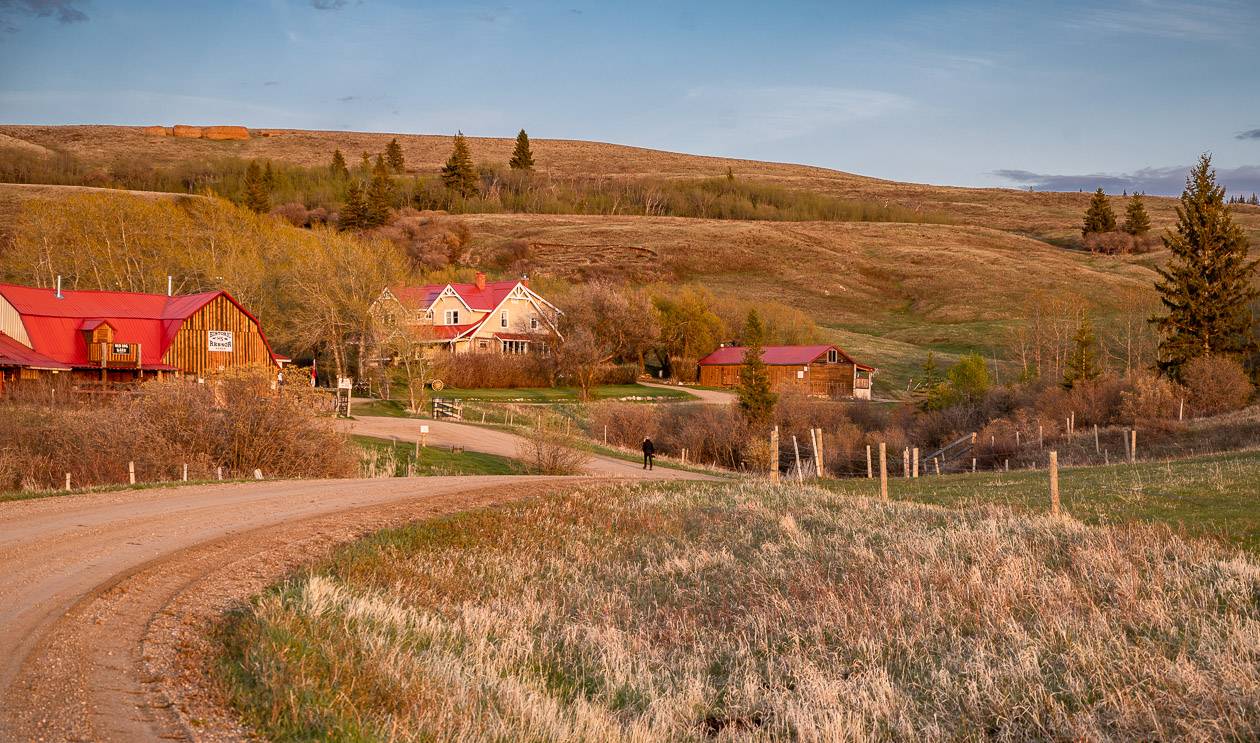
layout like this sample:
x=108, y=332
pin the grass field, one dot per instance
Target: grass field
x=749, y=612
x=528, y=395
x=385, y=458
x=1215, y=496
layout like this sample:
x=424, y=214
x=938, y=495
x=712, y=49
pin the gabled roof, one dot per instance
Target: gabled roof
x=481, y=300
x=778, y=356
x=13, y=353
x=55, y=324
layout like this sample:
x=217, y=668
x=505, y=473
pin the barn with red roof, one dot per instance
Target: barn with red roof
x=818, y=370
x=487, y=316
x=124, y=336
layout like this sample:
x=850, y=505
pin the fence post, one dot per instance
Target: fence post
x=1054, y=483
x=258, y=474
x=185, y=472
x=937, y=461
x=1133, y=447
x=219, y=473
x=915, y=462
x=973, y=464
x=870, y=469
x=1007, y=465
x=1041, y=436
x=605, y=434
x=774, y=455
x=800, y=476
x=131, y=472
x=1097, y=448
x=67, y=481
x=883, y=471
x=905, y=462
x=1125, y=436
x=1016, y=438
x=1181, y=410
x=818, y=453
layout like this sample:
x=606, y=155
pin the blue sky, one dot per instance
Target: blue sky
x=1062, y=95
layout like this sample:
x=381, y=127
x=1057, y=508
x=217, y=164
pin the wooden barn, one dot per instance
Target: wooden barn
x=124, y=336
x=820, y=371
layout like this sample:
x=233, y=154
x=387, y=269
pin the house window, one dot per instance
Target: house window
x=832, y=356
x=503, y=318
x=451, y=317
x=533, y=323
x=483, y=344
x=515, y=346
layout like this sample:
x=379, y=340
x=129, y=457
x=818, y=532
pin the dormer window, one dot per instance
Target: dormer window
x=503, y=318
x=833, y=356
x=451, y=317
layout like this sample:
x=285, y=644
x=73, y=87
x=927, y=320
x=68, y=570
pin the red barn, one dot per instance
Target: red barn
x=822, y=371
x=118, y=336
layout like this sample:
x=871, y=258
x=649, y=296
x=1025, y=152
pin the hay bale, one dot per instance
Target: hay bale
x=189, y=132
x=225, y=132
x=156, y=131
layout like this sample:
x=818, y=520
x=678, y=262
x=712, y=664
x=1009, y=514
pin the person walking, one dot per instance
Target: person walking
x=649, y=451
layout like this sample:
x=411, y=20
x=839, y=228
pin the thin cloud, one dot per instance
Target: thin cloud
x=348, y=98
x=328, y=4
x=1158, y=181
x=1205, y=20
x=1249, y=134
x=767, y=114
x=65, y=11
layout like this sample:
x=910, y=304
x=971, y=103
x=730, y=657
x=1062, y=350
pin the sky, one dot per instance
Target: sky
x=1061, y=95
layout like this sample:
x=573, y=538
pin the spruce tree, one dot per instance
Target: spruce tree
x=458, y=174
x=522, y=156
x=1207, y=285
x=380, y=195
x=1098, y=217
x=394, y=156
x=1136, y=221
x=338, y=167
x=756, y=399
x=1082, y=362
x=354, y=211
x=269, y=177
x=257, y=197
x=365, y=163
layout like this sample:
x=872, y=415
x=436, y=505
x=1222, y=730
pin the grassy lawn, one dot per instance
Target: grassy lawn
x=744, y=611
x=384, y=458
x=1215, y=496
x=564, y=394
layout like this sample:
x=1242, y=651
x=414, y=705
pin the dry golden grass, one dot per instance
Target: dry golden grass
x=1051, y=215
x=748, y=612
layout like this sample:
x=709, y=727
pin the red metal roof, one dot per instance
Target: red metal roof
x=778, y=356
x=55, y=324
x=13, y=353
x=482, y=300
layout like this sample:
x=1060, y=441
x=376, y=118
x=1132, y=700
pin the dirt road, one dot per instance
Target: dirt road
x=493, y=441
x=105, y=598
x=712, y=397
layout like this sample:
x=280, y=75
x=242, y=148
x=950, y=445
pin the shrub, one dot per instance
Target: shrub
x=496, y=370
x=546, y=450
x=1120, y=243
x=1150, y=399
x=1216, y=384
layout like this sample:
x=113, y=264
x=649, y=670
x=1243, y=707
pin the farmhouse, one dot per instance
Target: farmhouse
x=486, y=316
x=121, y=336
x=822, y=371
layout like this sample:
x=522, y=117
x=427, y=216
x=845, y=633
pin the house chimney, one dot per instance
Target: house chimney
x=481, y=281
x=525, y=281
x=59, y=287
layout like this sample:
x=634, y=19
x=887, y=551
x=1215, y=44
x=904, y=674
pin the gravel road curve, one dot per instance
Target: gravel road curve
x=106, y=598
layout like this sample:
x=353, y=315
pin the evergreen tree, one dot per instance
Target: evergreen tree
x=257, y=197
x=1207, y=285
x=354, y=211
x=1098, y=217
x=458, y=174
x=338, y=167
x=269, y=177
x=380, y=195
x=365, y=163
x=1255, y=201
x=756, y=399
x=522, y=156
x=1082, y=362
x=394, y=155
x=931, y=372
x=1136, y=221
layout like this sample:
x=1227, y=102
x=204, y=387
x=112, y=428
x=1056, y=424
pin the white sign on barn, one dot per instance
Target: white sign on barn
x=221, y=340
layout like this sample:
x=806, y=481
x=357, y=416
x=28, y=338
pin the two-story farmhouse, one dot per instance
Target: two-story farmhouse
x=821, y=371
x=121, y=336
x=487, y=316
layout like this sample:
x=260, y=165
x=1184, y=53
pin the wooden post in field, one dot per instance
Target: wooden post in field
x=1133, y=447
x=973, y=464
x=774, y=455
x=510, y=416
x=258, y=474
x=1125, y=436
x=605, y=434
x=1054, y=483
x=483, y=416
x=684, y=456
x=218, y=472
x=870, y=469
x=883, y=470
x=185, y=472
x=905, y=462
x=1181, y=409
x=67, y=481
x=818, y=453
x=1067, y=424
x=800, y=476
x=1097, y=449
x=1007, y=465
x=131, y=472
x=937, y=461
x=914, y=454
x=1041, y=436
x=1017, y=438
x=1106, y=456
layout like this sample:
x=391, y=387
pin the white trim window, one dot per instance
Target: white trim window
x=533, y=322
x=515, y=346
x=503, y=318
x=833, y=356
x=450, y=317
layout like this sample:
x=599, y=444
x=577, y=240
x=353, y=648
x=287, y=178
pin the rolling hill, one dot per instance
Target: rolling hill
x=889, y=291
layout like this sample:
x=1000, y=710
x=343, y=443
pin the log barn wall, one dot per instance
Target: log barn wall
x=190, y=350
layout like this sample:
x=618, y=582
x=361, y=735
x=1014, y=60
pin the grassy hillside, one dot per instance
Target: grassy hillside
x=747, y=612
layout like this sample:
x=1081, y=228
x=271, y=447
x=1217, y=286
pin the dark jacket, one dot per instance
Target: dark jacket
x=648, y=448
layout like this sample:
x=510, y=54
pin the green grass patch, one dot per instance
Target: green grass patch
x=1216, y=496
x=385, y=458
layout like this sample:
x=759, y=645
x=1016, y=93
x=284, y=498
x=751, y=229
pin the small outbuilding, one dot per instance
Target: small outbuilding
x=819, y=370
